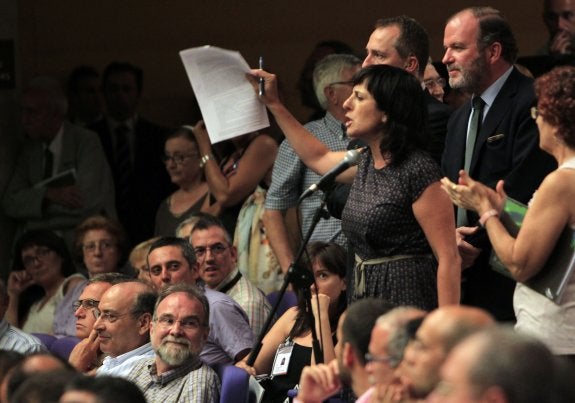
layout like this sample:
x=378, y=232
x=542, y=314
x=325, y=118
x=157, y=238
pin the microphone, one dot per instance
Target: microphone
x=351, y=159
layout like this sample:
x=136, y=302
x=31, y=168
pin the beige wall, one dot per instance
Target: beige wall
x=57, y=35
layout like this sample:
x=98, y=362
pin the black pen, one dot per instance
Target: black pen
x=261, y=81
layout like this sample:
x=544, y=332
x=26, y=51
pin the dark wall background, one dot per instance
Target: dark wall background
x=55, y=36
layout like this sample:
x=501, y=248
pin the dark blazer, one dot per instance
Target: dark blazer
x=507, y=147
x=150, y=182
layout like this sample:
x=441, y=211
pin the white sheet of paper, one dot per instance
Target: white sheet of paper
x=229, y=105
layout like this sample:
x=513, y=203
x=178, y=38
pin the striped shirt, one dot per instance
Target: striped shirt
x=191, y=382
x=250, y=298
x=13, y=339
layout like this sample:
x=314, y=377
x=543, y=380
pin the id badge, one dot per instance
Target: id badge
x=282, y=359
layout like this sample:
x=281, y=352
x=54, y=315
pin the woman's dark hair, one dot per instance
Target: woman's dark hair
x=49, y=240
x=332, y=257
x=400, y=96
x=112, y=227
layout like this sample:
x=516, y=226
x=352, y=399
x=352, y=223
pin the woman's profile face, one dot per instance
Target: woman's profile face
x=328, y=283
x=363, y=118
x=182, y=160
x=42, y=264
x=100, y=252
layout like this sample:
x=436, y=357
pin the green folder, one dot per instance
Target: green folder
x=552, y=279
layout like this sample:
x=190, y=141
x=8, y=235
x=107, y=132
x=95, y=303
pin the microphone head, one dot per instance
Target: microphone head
x=352, y=156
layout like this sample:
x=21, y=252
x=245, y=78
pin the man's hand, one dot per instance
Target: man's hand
x=84, y=356
x=562, y=44
x=246, y=367
x=67, y=196
x=318, y=382
x=467, y=251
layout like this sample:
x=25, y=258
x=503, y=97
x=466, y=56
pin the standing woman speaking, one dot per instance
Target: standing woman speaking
x=397, y=219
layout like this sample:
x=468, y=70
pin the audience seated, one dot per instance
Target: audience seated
x=389, y=338
x=439, y=332
x=498, y=365
x=101, y=246
x=292, y=331
x=35, y=197
x=133, y=147
x=217, y=259
x=178, y=333
x=12, y=338
x=139, y=260
x=103, y=389
x=121, y=330
x=320, y=381
x=172, y=261
x=182, y=160
x=43, y=285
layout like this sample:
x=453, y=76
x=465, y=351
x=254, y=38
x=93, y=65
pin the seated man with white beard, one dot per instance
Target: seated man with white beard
x=178, y=332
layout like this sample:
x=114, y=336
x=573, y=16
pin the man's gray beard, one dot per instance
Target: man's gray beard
x=175, y=355
x=470, y=79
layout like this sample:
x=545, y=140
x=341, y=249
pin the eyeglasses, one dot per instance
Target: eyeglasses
x=350, y=83
x=41, y=254
x=432, y=82
x=217, y=249
x=177, y=159
x=87, y=304
x=167, y=322
x=109, y=317
x=92, y=246
x=373, y=358
x=535, y=113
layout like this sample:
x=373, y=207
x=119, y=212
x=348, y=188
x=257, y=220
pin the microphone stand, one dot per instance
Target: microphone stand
x=303, y=279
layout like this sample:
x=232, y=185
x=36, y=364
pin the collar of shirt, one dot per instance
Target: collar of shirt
x=110, y=362
x=175, y=373
x=130, y=122
x=229, y=278
x=55, y=148
x=491, y=92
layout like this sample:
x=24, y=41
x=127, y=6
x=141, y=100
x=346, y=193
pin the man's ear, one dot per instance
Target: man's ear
x=411, y=64
x=348, y=355
x=330, y=94
x=144, y=323
x=494, y=394
x=494, y=52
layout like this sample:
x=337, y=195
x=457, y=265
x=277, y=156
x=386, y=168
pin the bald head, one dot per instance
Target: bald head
x=440, y=331
x=454, y=323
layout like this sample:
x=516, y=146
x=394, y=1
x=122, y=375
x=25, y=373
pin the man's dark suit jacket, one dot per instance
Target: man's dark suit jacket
x=150, y=182
x=507, y=147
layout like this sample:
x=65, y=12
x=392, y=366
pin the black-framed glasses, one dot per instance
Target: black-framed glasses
x=217, y=249
x=91, y=247
x=350, y=83
x=168, y=321
x=374, y=358
x=41, y=253
x=177, y=159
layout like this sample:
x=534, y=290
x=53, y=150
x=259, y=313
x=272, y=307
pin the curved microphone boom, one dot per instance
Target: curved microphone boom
x=351, y=159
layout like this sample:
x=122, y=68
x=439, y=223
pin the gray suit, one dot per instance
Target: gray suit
x=81, y=150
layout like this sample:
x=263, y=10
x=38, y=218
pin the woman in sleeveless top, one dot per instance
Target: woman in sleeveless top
x=233, y=178
x=182, y=161
x=292, y=329
x=551, y=210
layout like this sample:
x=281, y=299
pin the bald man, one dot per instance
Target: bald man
x=440, y=331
